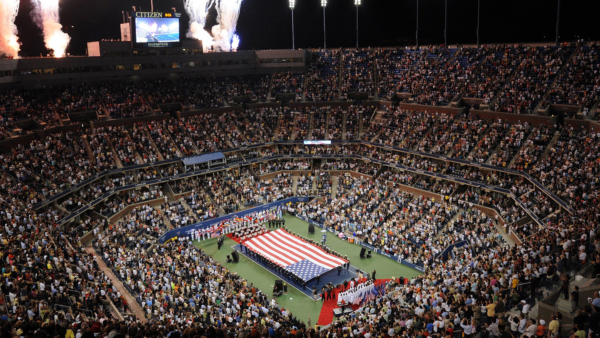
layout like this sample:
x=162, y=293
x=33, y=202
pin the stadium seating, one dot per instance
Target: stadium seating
x=413, y=183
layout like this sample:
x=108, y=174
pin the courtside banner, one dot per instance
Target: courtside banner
x=188, y=230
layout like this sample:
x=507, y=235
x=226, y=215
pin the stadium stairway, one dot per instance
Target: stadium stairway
x=294, y=184
x=523, y=144
x=269, y=97
x=311, y=125
x=340, y=73
x=156, y=150
x=167, y=191
x=104, y=116
x=62, y=121
x=186, y=206
x=221, y=211
x=363, y=125
x=497, y=149
x=135, y=152
x=276, y=132
x=296, y=118
x=344, y=117
x=584, y=284
x=114, y=154
x=592, y=113
x=313, y=188
x=305, y=85
x=172, y=141
x=327, y=117
x=194, y=147
x=563, y=69
x=88, y=149
x=506, y=237
x=549, y=146
x=334, y=186
x=508, y=81
x=131, y=302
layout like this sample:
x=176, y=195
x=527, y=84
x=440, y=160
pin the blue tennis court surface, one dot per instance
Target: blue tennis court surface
x=172, y=37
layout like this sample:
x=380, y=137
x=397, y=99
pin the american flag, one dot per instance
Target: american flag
x=303, y=259
x=358, y=299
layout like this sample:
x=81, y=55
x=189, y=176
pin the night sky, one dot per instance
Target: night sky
x=266, y=24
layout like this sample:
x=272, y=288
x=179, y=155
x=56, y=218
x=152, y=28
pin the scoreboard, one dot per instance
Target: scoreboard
x=155, y=29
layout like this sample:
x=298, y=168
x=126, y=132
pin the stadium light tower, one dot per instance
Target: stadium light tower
x=417, y=32
x=292, y=5
x=357, y=3
x=324, y=4
x=446, y=25
x=478, y=8
x=557, y=21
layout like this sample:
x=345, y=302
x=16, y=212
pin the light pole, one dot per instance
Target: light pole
x=417, y=32
x=324, y=4
x=292, y=5
x=557, y=21
x=357, y=3
x=446, y=25
x=478, y=8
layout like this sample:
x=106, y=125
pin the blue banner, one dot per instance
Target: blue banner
x=186, y=231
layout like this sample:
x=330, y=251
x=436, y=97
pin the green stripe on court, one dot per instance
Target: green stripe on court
x=298, y=303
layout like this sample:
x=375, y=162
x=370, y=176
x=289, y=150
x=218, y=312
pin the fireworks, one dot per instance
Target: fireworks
x=45, y=15
x=198, y=10
x=8, y=31
x=222, y=36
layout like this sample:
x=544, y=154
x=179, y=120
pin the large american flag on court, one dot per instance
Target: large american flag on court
x=303, y=259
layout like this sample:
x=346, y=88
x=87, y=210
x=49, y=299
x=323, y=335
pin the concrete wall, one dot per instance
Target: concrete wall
x=515, y=238
x=546, y=309
x=206, y=65
x=535, y=120
x=431, y=109
x=490, y=212
x=129, y=122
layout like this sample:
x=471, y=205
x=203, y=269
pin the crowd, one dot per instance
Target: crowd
x=323, y=77
x=532, y=79
x=357, y=74
x=288, y=83
x=377, y=210
x=579, y=84
x=509, y=78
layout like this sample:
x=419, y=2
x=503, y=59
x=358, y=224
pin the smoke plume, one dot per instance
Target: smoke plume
x=9, y=44
x=222, y=36
x=227, y=17
x=45, y=15
x=198, y=10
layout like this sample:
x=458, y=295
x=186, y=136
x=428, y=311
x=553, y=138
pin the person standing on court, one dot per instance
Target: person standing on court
x=373, y=274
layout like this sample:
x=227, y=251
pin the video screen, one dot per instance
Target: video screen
x=321, y=142
x=156, y=30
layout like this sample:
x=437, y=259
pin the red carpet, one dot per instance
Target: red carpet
x=230, y=235
x=326, y=315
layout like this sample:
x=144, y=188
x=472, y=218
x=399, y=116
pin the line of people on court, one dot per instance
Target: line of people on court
x=250, y=231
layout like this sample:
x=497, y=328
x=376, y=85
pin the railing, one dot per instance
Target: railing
x=205, y=171
x=412, y=152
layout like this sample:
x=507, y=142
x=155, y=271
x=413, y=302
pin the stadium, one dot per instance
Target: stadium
x=171, y=183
